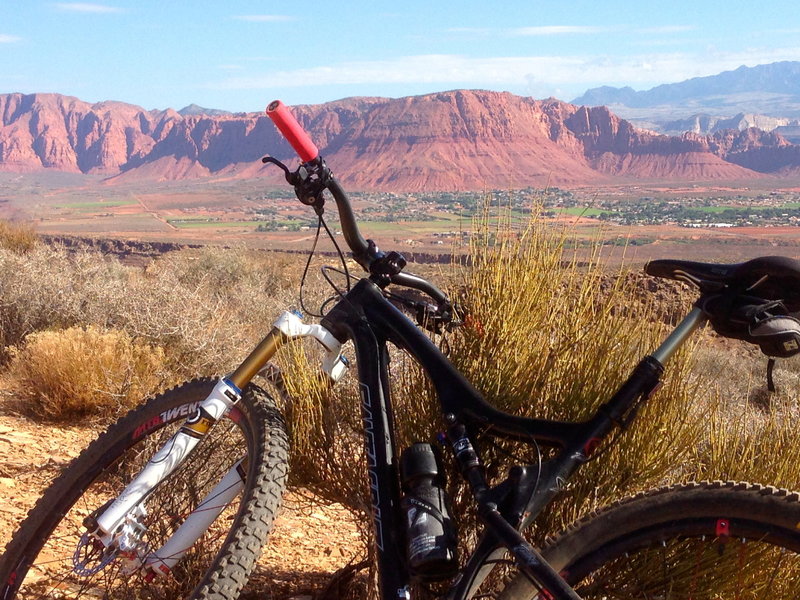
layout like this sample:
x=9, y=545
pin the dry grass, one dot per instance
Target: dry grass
x=18, y=237
x=550, y=337
x=205, y=308
x=541, y=339
x=84, y=373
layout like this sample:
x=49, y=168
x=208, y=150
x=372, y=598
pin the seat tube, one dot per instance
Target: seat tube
x=694, y=320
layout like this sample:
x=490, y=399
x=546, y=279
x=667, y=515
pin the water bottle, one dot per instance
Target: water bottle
x=430, y=532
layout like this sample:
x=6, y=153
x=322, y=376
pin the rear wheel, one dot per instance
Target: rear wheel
x=698, y=541
x=51, y=556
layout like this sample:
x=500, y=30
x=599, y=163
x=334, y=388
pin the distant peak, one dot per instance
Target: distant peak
x=195, y=110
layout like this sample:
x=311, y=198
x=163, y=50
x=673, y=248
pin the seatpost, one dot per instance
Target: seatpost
x=694, y=320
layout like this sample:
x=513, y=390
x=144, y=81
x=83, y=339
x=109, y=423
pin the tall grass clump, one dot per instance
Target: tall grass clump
x=546, y=335
x=550, y=335
x=83, y=373
x=326, y=430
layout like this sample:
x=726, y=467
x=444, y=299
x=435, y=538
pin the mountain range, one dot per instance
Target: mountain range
x=766, y=96
x=457, y=140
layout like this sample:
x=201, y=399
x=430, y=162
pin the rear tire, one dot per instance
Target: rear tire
x=40, y=560
x=713, y=540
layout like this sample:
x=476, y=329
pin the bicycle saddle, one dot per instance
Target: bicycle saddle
x=769, y=277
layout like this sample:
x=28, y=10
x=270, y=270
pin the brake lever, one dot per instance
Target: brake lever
x=274, y=161
x=435, y=318
x=309, y=180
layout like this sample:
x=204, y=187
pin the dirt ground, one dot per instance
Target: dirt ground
x=309, y=543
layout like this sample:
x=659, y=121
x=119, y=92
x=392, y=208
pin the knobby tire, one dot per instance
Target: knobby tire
x=39, y=560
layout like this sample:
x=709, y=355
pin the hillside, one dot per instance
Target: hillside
x=458, y=140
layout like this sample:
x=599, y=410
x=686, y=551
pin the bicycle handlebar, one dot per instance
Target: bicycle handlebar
x=364, y=251
x=292, y=130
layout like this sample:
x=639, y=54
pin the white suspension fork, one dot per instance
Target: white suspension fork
x=168, y=458
x=165, y=558
x=225, y=394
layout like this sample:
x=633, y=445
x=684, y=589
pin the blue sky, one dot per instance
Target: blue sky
x=238, y=55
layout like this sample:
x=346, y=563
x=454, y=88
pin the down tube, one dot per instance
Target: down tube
x=373, y=376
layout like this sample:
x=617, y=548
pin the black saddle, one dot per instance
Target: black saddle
x=768, y=277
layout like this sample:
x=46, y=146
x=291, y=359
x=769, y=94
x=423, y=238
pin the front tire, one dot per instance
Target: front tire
x=43, y=559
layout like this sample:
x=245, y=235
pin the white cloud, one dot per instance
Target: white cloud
x=264, y=18
x=551, y=30
x=8, y=39
x=86, y=7
x=438, y=68
x=575, y=72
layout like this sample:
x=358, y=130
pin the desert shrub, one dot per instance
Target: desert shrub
x=207, y=308
x=50, y=288
x=83, y=373
x=749, y=431
x=547, y=336
x=17, y=237
x=205, y=323
x=553, y=337
x=223, y=270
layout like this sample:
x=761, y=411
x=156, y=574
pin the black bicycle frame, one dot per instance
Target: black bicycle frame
x=367, y=318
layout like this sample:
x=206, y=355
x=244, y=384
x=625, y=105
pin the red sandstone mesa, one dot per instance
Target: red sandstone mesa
x=458, y=140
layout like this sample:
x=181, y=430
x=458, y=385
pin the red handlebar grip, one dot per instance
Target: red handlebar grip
x=292, y=130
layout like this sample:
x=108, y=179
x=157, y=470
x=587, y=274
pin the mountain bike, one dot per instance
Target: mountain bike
x=177, y=498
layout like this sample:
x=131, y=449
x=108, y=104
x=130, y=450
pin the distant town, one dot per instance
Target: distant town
x=763, y=209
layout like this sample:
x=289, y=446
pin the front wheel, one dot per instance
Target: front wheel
x=700, y=541
x=51, y=556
